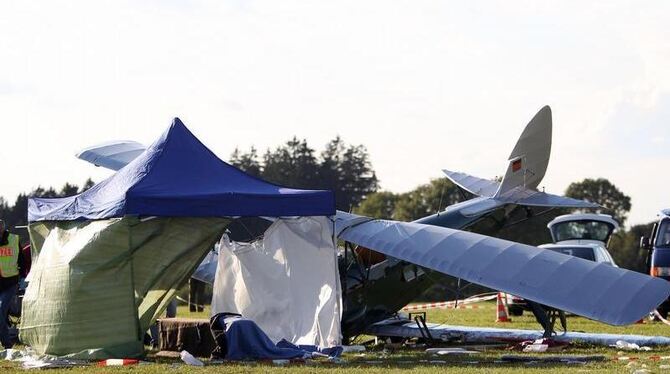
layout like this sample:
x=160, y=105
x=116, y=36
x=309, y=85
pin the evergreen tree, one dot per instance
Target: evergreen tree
x=292, y=165
x=88, y=184
x=247, y=162
x=68, y=190
x=355, y=178
x=344, y=169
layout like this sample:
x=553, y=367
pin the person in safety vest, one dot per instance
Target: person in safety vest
x=10, y=258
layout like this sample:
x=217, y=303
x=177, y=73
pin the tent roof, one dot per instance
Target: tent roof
x=178, y=176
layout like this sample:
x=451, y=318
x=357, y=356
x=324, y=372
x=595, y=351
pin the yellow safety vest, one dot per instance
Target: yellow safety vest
x=9, y=257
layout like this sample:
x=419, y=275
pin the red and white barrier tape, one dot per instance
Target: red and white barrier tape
x=460, y=304
x=118, y=362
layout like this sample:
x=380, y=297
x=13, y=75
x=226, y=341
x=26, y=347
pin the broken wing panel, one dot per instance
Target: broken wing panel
x=474, y=185
x=597, y=291
x=112, y=155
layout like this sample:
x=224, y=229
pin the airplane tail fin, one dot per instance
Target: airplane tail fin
x=529, y=159
x=527, y=165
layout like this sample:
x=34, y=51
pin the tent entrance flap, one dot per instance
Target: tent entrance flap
x=96, y=286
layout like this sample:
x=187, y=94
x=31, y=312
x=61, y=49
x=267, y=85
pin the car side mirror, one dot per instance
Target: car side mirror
x=644, y=243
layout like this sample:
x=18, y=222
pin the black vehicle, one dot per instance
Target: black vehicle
x=658, y=255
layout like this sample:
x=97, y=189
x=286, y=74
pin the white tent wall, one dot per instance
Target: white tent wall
x=287, y=282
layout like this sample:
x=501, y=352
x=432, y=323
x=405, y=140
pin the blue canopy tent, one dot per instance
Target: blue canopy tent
x=178, y=176
x=112, y=257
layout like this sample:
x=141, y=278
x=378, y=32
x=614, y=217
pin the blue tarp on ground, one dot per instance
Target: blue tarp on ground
x=246, y=341
x=177, y=176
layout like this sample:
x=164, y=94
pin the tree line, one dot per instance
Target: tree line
x=17, y=213
x=347, y=170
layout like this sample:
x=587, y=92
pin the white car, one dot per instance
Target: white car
x=581, y=235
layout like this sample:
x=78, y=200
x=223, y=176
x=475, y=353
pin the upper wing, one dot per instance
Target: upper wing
x=474, y=185
x=112, y=155
x=594, y=290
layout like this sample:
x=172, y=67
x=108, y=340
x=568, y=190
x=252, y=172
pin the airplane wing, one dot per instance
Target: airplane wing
x=525, y=196
x=112, y=155
x=593, y=290
x=474, y=185
x=518, y=195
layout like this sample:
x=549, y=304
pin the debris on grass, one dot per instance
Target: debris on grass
x=540, y=345
x=562, y=359
x=622, y=344
x=353, y=348
x=450, y=351
x=189, y=359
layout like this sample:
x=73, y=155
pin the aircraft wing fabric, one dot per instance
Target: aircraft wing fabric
x=112, y=155
x=593, y=290
x=474, y=185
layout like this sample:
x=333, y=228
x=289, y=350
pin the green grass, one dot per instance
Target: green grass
x=182, y=311
x=394, y=359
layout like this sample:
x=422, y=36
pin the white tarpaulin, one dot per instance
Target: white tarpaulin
x=287, y=282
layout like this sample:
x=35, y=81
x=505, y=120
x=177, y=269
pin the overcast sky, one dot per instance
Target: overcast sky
x=425, y=85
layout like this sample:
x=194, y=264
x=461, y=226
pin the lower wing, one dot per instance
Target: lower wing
x=593, y=290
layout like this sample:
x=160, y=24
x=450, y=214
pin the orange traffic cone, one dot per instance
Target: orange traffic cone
x=501, y=313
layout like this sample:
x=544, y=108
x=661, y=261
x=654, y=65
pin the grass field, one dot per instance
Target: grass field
x=392, y=359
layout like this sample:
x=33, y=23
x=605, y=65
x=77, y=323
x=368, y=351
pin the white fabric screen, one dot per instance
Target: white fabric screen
x=288, y=282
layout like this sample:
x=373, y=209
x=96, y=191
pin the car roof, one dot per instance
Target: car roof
x=606, y=218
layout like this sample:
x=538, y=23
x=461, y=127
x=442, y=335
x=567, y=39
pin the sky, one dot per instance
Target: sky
x=424, y=85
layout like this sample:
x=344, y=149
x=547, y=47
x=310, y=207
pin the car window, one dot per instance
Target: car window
x=579, y=230
x=663, y=234
x=581, y=252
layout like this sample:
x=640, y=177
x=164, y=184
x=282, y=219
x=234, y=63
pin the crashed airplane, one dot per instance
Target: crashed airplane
x=405, y=252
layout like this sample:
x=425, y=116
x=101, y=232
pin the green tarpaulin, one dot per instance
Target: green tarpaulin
x=97, y=286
